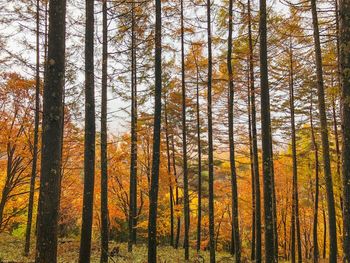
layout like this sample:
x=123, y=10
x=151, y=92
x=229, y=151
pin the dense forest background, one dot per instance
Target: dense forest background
x=213, y=130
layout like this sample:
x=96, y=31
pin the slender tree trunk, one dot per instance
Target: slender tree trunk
x=266, y=140
x=178, y=224
x=235, y=240
x=254, y=144
x=295, y=199
x=184, y=139
x=171, y=195
x=324, y=138
x=104, y=155
x=49, y=196
x=210, y=141
x=133, y=161
x=251, y=158
x=345, y=77
x=153, y=204
x=315, y=221
x=36, y=135
x=199, y=150
x=324, y=232
x=89, y=143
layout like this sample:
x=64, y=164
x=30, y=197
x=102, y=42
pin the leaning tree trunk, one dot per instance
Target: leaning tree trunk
x=36, y=135
x=89, y=143
x=235, y=240
x=324, y=138
x=345, y=76
x=153, y=202
x=49, y=196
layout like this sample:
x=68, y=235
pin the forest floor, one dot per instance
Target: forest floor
x=11, y=251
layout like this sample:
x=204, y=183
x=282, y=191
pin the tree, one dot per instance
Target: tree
x=235, y=240
x=133, y=161
x=267, y=158
x=104, y=158
x=89, y=140
x=184, y=138
x=210, y=138
x=345, y=78
x=324, y=137
x=254, y=143
x=153, y=202
x=49, y=196
x=36, y=134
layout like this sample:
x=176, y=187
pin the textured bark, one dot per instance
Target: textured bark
x=49, y=196
x=266, y=139
x=235, y=239
x=104, y=158
x=184, y=139
x=324, y=138
x=254, y=144
x=210, y=140
x=133, y=161
x=153, y=203
x=89, y=142
x=345, y=78
x=36, y=135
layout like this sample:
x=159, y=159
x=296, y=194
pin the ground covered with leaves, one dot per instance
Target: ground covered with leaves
x=11, y=250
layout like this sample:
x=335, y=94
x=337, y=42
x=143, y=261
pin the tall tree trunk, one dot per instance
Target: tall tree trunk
x=324, y=232
x=133, y=161
x=89, y=142
x=210, y=141
x=199, y=150
x=36, y=135
x=235, y=240
x=251, y=158
x=295, y=199
x=184, y=139
x=153, y=203
x=254, y=144
x=49, y=196
x=171, y=195
x=104, y=155
x=324, y=138
x=266, y=139
x=315, y=219
x=345, y=77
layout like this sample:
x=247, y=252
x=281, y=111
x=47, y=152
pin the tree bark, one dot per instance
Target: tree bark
x=184, y=139
x=324, y=138
x=49, y=196
x=254, y=143
x=235, y=239
x=104, y=155
x=345, y=77
x=270, y=251
x=210, y=141
x=36, y=135
x=89, y=142
x=153, y=203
